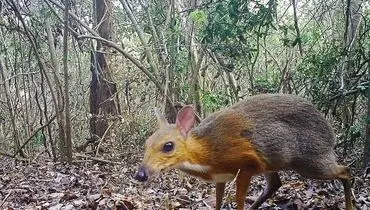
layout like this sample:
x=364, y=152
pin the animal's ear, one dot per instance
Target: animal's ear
x=162, y=121
x=185, y=119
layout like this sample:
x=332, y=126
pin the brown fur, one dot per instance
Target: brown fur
x=262, y=134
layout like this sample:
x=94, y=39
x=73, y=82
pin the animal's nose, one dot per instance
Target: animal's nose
x=141, y=175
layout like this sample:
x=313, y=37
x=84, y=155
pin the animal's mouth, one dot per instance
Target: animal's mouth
x=145, y=174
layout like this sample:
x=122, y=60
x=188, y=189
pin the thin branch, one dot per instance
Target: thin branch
x=6, y=197
x=140, y=33
x=34, y=133
x=19, y=74
x=128, y=56
x=205, y=5
x=102, y=138
x=298, y=36
x=96, y=36
x=349, y=92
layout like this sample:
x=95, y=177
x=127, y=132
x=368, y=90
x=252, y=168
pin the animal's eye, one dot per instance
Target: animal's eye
x=168, y=146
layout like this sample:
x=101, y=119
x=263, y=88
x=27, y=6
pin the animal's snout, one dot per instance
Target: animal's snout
x=141, y=175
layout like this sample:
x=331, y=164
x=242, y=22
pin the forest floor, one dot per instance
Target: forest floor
x=93, y=184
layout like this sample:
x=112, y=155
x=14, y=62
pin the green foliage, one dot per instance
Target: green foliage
x=233, y=25
x=199, y=17
x=355, y=131
x=39, y=138
x=214, y=100
x=317, y=70
x=265, y=85
x=310, y=37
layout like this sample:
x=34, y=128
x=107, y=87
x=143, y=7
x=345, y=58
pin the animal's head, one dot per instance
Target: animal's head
x=166, y=148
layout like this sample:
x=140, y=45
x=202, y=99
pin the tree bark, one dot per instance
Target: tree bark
x=103, y=91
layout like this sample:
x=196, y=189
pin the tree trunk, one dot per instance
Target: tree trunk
x=57, y=97
x=68, y=140
x=17, y=145
x=353, y=21
x=103, y=91
x=298, y=33
x=195, y=59
x=366, y=160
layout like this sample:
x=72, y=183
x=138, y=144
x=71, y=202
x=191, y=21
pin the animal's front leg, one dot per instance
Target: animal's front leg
x=220, y=190
x=242, y=183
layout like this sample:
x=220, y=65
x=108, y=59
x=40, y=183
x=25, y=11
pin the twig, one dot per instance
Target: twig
x=41, y=180
x=353, y=90
x=228, y=188
x=38, y=155
x=6, y=197
x=34, y=133
x=205, y=5
x=367, y=171
x=206, y=204
x=97, y=159
x=105, y=184
x=17, y=75
x=103, y=137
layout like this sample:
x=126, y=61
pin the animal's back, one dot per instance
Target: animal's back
x=286, y=130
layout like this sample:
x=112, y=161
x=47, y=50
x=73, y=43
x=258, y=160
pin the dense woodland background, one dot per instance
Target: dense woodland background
x=79, y=79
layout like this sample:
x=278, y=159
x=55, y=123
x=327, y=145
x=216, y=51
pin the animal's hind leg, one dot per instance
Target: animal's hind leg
x=345, y=176
x=343, y=173
x=273, y=183
x=331, y=171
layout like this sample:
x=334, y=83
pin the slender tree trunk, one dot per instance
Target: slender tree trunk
x=171, y=87
x=17, y=146
x=140, y=33
x=230, y=78
x=366, y=160
x=57, y=97
x=195, y=60
x=68, y=139
x=103, y=91
x=298, y=33
x=353, y=21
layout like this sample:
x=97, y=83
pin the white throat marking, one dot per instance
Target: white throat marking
x=194, y=167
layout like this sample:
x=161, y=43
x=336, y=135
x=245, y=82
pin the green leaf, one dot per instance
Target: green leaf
x=199, y=17
x=39, y=138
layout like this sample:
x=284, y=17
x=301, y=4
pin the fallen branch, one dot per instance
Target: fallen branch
x=6, y=197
